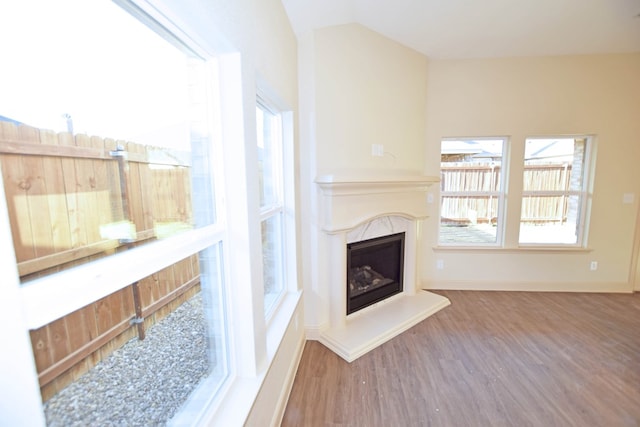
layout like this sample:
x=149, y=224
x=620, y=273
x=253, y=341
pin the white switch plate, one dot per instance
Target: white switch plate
x=377, y=150
x=628, y=198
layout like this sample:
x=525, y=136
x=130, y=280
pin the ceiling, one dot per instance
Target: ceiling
x=484, y=28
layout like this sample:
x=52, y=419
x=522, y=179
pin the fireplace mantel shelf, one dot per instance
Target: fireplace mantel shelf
x=338, y=185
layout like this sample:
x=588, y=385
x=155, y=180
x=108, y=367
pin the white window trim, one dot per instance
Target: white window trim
x=501, y=195
x=20, y=401
x=581, y=246
x=584, y=193
x=235, y=402
x=77, y=287
x=270, y=101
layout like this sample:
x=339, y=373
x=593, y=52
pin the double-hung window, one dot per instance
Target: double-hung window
x=554, y=192
x=110, y=171
x=472, y=191
x=270, y=174
x=475, y=173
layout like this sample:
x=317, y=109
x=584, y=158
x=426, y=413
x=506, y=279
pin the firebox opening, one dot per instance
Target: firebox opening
x=374, y=270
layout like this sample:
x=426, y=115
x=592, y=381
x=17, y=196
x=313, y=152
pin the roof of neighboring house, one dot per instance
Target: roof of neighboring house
x=552, y=149
x=7, y=119
x=461, y=147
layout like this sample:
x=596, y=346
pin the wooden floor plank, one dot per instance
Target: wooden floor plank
x=490, y=359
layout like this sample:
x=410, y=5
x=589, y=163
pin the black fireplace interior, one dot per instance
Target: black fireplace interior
x=374, y=270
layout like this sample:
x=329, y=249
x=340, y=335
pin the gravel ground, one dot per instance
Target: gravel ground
x=144, y=382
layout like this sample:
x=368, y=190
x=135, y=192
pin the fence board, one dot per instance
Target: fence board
x=58, y=212
x=17, y=205
x=147, y=189
x=166, y=282
x=103, y=189
x=88, y=197
x=146, y=295
x=59, y=340
x=78, y=329
x=40, y=345
x=37, y=197
x=72, y=194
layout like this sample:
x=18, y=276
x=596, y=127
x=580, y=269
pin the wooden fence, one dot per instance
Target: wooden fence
x=72, y=199
x=470, y=193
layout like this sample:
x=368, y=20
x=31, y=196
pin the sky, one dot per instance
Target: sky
x=91, y=60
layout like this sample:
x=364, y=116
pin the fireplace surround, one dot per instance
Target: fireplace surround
x=360, y=208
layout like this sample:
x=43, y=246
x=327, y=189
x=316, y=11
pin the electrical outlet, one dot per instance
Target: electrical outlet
x=377, y=150
x=440, y=264
x=593, y=266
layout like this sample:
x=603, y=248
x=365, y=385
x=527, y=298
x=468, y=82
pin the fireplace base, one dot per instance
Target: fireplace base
x=378, y=323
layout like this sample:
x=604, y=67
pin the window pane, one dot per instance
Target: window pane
x=471, y=183
x=148, y=382
x=269, y=141
x=272, y=260
x=553, y=185
x=119, y=145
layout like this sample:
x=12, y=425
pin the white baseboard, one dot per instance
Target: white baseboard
x=283, y=399
x=313, y=332
x=525, y=286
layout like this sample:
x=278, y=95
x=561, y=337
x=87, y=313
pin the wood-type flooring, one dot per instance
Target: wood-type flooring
x=489, y=359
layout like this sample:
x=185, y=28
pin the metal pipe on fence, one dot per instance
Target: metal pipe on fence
x=123, y=169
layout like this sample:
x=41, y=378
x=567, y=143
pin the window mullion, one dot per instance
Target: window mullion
x=270, y=211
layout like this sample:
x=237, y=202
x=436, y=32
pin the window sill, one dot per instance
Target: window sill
x=514, y=250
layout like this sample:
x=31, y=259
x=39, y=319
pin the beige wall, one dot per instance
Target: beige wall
x=357, y=88
x=369, y=90
x=520, y=97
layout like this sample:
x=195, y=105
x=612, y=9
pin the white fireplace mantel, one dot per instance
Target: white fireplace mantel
x=359, y=207
x=350, y=200
x=340, y=185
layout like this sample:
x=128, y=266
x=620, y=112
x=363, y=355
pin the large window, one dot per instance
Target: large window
x=270, y=174
x=475, y=173
x=472, y=191
x=109, y=167
x=554, y=190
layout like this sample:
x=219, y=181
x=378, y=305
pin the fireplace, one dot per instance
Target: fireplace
x=374, y=270
x=357, y=218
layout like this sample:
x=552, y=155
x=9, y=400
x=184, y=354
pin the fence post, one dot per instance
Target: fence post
x=123, y=168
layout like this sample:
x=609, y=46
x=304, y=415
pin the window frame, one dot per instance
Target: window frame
x=583, y=194
x=509, y=233
x=84, y=284
x=282, y=176
x=501, y=195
